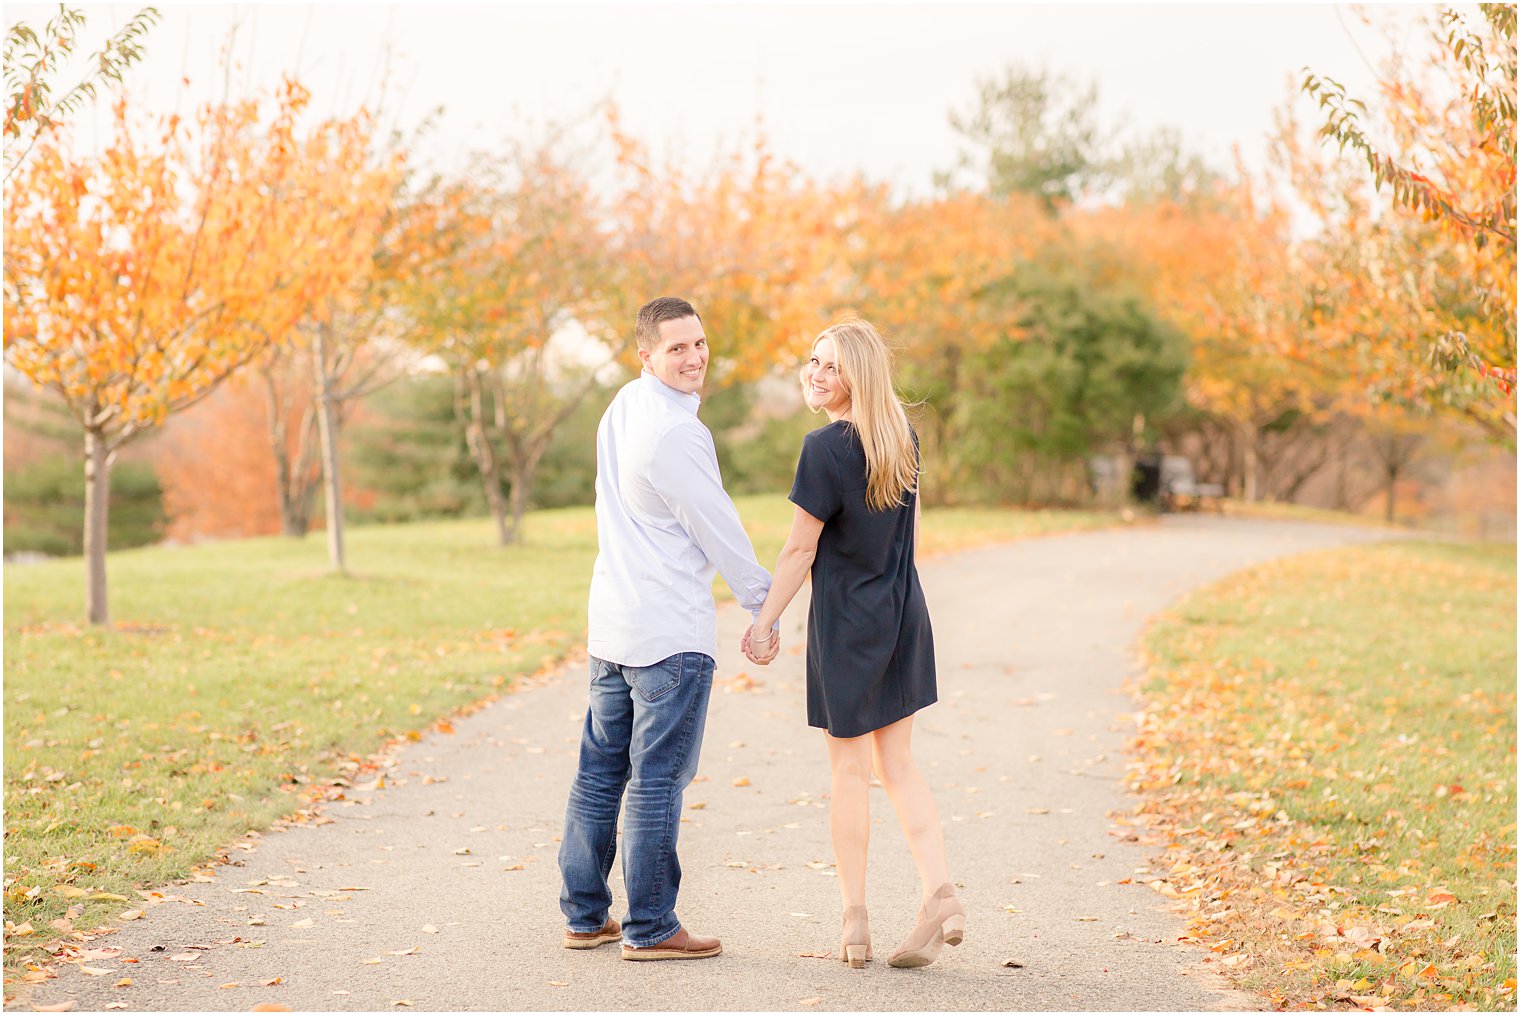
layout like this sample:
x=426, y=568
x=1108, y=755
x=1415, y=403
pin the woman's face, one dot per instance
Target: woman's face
x=822, y=386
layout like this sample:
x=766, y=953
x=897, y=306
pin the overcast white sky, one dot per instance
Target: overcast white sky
x=840, y=88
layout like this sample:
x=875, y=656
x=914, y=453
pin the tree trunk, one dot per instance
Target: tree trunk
x=293, y=482
x=1398, y=453
x=1304, y=473
x=295, y=513
x=522, y=486
x=292, y=523
x=327, y=429
x=97, y=503
x=523, y=471
x=301, y=486
x=471, y=410
x=1342, y=480
x=1249, y=462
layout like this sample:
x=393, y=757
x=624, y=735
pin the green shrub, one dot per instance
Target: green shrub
x=44, y=507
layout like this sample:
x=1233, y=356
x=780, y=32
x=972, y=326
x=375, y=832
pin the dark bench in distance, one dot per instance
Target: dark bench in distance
x=1180, y=489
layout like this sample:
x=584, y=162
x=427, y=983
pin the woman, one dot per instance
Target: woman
x=870, y=661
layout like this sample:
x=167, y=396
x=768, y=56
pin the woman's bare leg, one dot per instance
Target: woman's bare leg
x=850, y=814
x=913, y=801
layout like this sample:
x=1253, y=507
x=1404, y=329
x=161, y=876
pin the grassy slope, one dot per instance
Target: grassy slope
x=1329, y=754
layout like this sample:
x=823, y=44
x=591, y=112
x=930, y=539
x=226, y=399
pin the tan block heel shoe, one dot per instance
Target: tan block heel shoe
x=941, y=921
x=855, y=938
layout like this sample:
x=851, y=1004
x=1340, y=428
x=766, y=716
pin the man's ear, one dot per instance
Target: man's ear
x=644, y=356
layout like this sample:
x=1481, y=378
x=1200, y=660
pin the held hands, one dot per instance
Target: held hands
x=760, y=650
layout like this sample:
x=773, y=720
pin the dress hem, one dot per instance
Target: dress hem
x=851, y=736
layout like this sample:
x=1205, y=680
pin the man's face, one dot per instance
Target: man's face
x=679, y=356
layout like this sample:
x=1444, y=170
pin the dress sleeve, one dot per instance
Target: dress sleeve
x=817, y=488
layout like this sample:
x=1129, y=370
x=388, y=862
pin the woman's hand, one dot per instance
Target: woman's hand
x=762, y=650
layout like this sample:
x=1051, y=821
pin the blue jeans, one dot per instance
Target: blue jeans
x=643, y=732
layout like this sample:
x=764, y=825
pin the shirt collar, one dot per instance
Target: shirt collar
x=689, y=402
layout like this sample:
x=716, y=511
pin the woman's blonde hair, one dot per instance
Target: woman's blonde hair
x=865, y=367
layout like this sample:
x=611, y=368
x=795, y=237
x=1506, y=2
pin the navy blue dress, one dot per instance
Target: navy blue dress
x=870, y=657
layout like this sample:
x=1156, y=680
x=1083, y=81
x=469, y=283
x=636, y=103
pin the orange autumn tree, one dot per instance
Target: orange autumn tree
x=1374, y=288
x=137, y=280
x=351, y=337
x=774, y=244
x=758, y=248
x=503, y=259
x=1219, y=265
x=355, y=186
x=1442, y=140
x=923, y=273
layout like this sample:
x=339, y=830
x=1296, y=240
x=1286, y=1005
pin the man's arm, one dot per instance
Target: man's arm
x=684, y=471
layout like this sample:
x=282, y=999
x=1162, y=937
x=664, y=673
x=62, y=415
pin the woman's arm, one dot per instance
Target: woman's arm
x=791, y=567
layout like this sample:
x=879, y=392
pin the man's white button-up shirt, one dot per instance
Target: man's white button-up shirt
x=664, y=526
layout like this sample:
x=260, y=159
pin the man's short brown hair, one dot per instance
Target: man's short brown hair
x=646, y=331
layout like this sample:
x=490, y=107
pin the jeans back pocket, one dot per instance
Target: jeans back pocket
x=655, y=681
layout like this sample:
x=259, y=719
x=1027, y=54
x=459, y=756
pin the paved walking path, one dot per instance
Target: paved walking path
x=440, y=889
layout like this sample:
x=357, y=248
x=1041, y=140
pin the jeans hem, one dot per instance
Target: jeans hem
x=656, y=941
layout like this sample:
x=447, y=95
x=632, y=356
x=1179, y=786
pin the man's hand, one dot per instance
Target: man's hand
x=760, y=651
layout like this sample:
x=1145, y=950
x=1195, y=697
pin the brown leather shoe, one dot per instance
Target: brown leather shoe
x=611, y=931
x=681, y=945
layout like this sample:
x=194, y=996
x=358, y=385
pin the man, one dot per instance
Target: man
x=664, y=525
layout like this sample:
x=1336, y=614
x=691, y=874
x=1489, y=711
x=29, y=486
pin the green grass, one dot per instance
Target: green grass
x=1366, y=697
x=237, y=675
x=945, y=530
